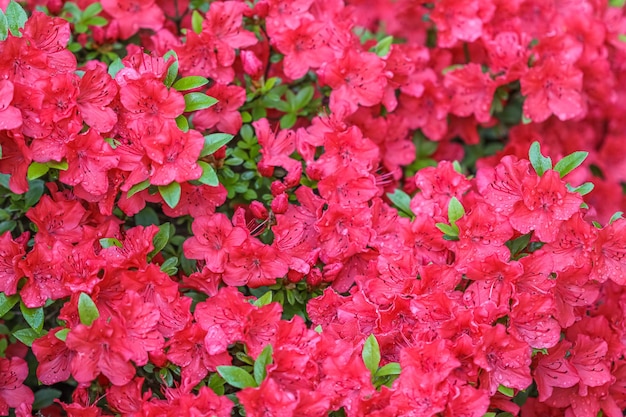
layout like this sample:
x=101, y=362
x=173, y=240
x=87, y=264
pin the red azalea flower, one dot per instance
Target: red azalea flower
x=267, y=400
x=132, y=15
x=224, y=115
x=214, y=237
x=51, y=35
x=460, y=20
x=13, y=392
x=554, y=369
x=97, y=91
x=553, y=88
x=103, y=348
x=506, y=360
x=89, y=159
x=254, y=264
x=545, y=204
x=344, y=231
x=10, y=117
x=11, y=252
x=609, y=253
x=471, y=92
x=53, y=358
x=356, y=78
x=304, y=47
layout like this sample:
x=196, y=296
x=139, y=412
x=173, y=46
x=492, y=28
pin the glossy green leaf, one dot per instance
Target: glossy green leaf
x=198, y=101
x=189, y=83
x=304, y=97
x=288, y=120
x=236, y=377
x=196, y=21
x=62, y=334
x=371, y=354
x=4, y=26
x=383, y=46
x=160, y=239
x=213, y=142
x=27, y=336
x=539, y=162
x=182, y=123
x=570, y=162
x=263, y=300
x=582, y=189
x=33, y=316
x=172, y=70
x=7, y=303
x=614, y=217
x=115, y=67
x=260, y=365
x=92, y=10
x=45, y=397
x=402, y=201
x=209, y=176
x=87, y=310
x=108, y=242
x=455, y=210
x=392, y=368
x=16, y=17
x=137, y=188
x=36, y=170
x=449, y=230
x=170, y=193
x=509, y=392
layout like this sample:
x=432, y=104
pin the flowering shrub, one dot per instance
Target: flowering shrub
x=251, y=208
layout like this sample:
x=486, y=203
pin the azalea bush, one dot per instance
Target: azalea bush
x=312, y=208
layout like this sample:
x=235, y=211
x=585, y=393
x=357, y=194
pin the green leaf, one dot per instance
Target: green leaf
x=448, y=229
x=189, y=83
x=16, y=17
x=45, y=397
x=172, y=70
x=87, y=310
x=570, y=162
x=383, y=46
x=161, y=238
x=62, y=165
x=260, y=365
x=304, y=97
x=115, y=67
x=216, y=383
x=96, y=21
x=92, y=10
x=170, y=193
x=263, y=300
x=582, y=189
x=509, y=392
x=27, y=336
x=539, y=162
x=196, y=21
x=402, y=201
x=209, y=176
x=182, y=123
x=371, y=354
x=455, y=210
x=288, y=120
x=392, y=368
x=169, y=266
x=33, y=316
x=108, y=242
x=616, y=216
x=137, y=188
x=146, y=217
x=236, y=377
x=617, y=3
x=198, y=101
x=4, y=26
x=519, y=244
x=7, y=303
x=62, y=334
x=34, y=193
x=213, y=142
x=36, y=170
